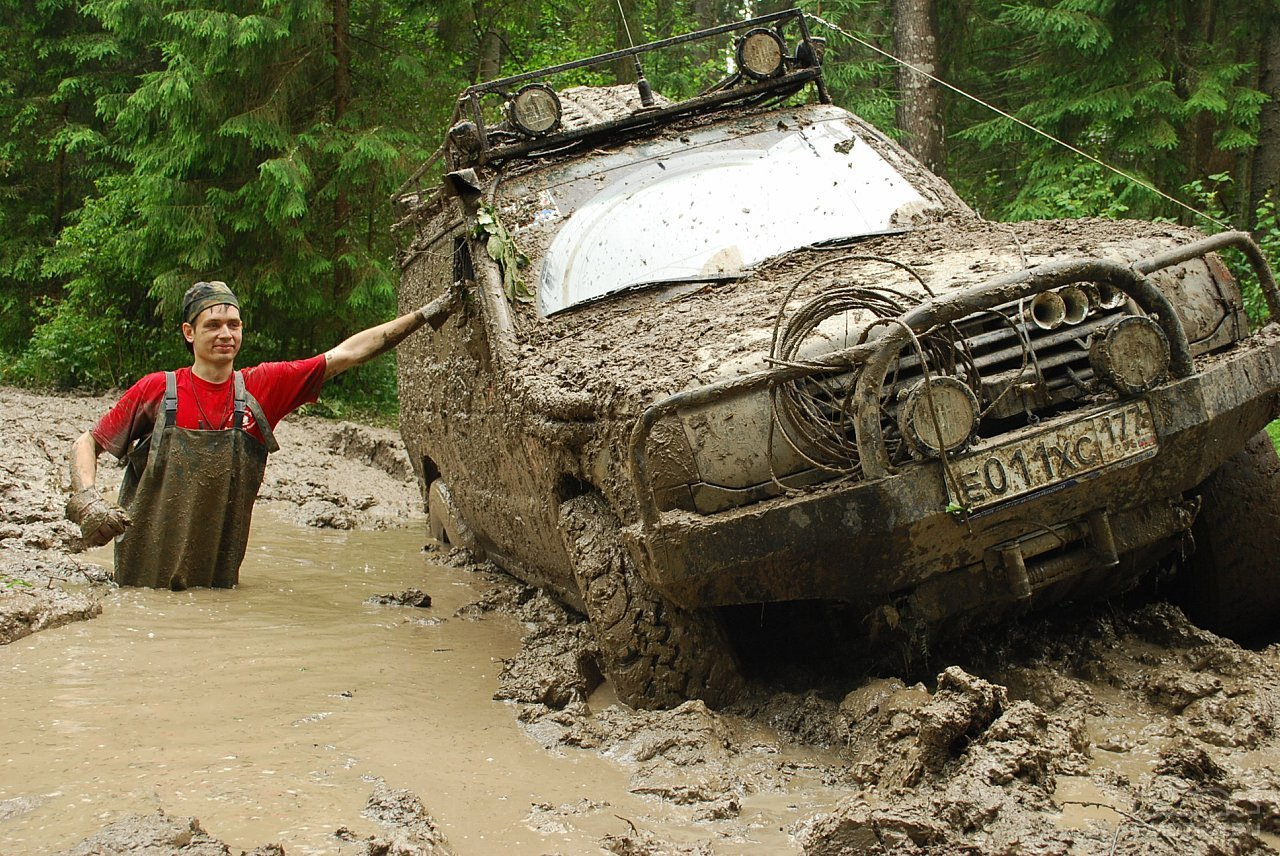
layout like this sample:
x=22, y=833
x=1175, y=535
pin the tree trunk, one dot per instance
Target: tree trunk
x=628, y=30
x=1265, y=174
x=341, y=104
x=489, y=59
x=919, y=112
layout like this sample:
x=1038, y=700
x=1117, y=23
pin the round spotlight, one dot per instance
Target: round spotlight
x=940, y=414
x=1132, y=355
x=761, y=54
x=535, y=110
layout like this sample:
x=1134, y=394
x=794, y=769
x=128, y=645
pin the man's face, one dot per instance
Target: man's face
x=215, y=336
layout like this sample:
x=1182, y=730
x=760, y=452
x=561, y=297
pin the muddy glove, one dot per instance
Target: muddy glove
x=438, y=311
x=99, y=520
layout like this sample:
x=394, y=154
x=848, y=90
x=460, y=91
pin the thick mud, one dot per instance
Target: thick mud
x=354, y=696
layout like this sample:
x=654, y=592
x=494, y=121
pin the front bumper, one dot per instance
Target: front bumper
x=869, y=539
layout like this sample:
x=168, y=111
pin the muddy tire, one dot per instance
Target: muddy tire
x=444, y=523
x=1231, y=582
x=656, y=654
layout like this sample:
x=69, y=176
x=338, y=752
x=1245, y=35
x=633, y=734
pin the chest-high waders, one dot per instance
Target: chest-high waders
x=190, y=494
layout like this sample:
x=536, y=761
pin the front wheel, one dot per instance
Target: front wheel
x=656, y=654
x=1231, y=582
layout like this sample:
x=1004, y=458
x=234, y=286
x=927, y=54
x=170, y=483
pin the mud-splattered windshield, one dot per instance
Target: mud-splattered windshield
x=711, y=211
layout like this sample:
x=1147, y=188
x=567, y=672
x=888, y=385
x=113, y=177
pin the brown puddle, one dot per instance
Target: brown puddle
x=269, y=711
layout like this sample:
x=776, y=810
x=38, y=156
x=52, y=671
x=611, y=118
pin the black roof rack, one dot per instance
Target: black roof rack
x=471, y=142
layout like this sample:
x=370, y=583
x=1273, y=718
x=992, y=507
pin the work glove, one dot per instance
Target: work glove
x=99, y=520
x=438, y=311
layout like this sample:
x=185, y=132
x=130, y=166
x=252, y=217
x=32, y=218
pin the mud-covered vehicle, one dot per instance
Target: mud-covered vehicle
x=718, y=355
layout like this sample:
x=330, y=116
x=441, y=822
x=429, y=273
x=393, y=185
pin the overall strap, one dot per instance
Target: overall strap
x=237, y=419
x=170, y=400
x=170, y=418
x=245, y=399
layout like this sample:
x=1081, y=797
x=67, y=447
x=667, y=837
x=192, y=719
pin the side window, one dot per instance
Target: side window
x=462, y=270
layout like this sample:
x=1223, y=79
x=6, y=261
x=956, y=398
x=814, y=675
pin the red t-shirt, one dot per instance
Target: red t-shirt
x=279, y=387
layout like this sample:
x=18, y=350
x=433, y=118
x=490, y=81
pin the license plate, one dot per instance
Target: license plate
x=1054, y=457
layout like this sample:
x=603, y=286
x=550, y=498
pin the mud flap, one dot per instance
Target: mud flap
x=444, y=523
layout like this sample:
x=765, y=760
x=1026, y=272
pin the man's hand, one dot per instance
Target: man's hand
x=438, y=311
x=99, y=520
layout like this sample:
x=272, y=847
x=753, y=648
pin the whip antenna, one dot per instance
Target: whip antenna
x=646, y=94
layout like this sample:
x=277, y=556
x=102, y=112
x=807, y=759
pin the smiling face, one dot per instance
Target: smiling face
x=215, y=336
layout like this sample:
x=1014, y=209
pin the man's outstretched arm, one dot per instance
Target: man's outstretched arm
x=376, y=341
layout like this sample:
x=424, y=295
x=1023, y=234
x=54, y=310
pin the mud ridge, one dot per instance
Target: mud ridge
x=1111, y=730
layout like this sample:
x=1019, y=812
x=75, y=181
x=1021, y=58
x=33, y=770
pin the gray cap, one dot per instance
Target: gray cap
x=202, y=295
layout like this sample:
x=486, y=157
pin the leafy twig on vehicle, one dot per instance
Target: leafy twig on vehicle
x=503, y=250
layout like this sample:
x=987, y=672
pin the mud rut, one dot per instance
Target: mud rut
x=1121, y=728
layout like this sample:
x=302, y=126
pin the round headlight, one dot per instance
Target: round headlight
x=535, y=109
x=760, y=54
x=1132, y=354
x=938, y=414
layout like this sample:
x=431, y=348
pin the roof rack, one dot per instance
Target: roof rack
x=532, y=110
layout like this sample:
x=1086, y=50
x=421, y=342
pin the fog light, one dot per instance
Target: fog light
x=1132, y=355
x=535, y=109
x=760, y=54
x=938, y=414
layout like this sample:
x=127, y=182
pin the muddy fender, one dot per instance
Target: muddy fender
x=1230, y=584
x=656, y=655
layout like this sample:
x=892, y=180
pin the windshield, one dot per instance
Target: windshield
x=712, y=211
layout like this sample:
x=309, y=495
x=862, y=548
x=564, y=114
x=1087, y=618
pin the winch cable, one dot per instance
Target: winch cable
x=1022, y=122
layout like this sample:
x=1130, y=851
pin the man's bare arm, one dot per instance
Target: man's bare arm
x=99, y=520
x=376, y=341
x=84, y=462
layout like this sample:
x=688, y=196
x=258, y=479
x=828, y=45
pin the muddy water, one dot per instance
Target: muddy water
x=268, y=712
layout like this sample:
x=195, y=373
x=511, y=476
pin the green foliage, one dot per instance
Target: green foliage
x=147, y=145
x=502, y=249
x=1145, y=86
x=859, y=79
x=233, y=159
x=1210, y=194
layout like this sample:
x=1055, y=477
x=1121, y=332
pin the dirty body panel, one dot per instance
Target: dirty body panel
x=788, y=363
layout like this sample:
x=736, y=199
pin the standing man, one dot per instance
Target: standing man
x=196, y=441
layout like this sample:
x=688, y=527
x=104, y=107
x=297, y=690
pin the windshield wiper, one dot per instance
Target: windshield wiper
x=697, y=279
x=853, y=239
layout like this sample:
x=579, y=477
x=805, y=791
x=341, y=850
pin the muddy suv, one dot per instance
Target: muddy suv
x=725, y=354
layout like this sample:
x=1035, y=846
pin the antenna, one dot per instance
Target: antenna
x=646, y=94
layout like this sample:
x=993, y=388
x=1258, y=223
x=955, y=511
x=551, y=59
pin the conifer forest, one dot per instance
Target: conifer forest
x=151, y=143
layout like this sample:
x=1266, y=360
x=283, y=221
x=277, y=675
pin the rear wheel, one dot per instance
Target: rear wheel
x=656, y=654
x=1231, y=582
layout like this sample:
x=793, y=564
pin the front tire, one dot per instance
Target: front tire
x=1231, y=582
x=656, y=654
